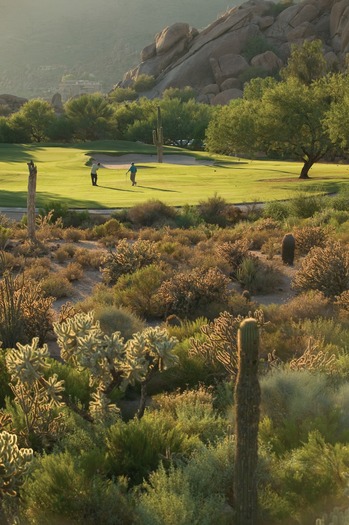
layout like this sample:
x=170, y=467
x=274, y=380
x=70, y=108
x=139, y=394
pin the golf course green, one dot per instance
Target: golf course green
x=64, y=176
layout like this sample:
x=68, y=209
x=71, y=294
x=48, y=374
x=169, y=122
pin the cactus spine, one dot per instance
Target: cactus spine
x=158, y=136
x=287, y=249
x=247, y=401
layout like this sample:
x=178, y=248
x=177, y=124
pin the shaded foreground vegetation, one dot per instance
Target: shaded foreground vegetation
x=134, y=422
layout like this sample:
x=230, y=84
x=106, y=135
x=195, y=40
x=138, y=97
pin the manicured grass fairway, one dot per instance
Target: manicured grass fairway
x=64, y=176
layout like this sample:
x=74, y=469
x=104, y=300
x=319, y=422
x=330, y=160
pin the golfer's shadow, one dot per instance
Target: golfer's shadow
x=115, y=189
x=157, y=189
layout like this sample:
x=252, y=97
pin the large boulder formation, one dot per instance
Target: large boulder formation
x=254, y=39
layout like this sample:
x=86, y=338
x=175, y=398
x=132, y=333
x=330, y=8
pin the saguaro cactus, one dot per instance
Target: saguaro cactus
x=158, y=136
x=247, y=401
x=287, y=249
x=31, y=200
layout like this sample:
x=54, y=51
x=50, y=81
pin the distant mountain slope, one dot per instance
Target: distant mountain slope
x=40, y=40
x=253, y=39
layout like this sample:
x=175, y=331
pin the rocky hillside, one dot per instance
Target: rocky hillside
x=43, y=40
x=253, y=39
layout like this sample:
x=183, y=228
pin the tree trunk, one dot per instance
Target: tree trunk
x=305, y=169
x=142, y=402
x=31, y=202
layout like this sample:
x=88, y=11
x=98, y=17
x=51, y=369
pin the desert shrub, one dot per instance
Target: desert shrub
x=194, y=293
x=143, y=83
x=62, y=254
x=190, y=371
x=309, y=236
x=185, y=329
x=152, y=213
x=256, y=276
x=109, y=231
x=76, y=383
x=303, y=205
x=308, y=305
x=296, y=402
x=5, y=389
x=276, y=210
x=233, y=252
x=342, y=300
x=197, y=492
x=5, y=221
x=134, y=448
x=213, y=210
x=38, y=270
x=5, y=234
x=272, y=247
x=188, y=217
x=138, y=290
x=118, y=319
x=313, y=472
x=127, y=259
x=60, y=491
x=73, y=234
x=10, y=261
x=192, y=411
x=24, y=311
x=56, y=285
x=340, y=201
x=57, y=211
x=329, y=330
x=88, y=258
x=325, y=269
x=73, y=271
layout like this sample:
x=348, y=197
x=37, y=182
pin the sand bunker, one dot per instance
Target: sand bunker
x=124, y=161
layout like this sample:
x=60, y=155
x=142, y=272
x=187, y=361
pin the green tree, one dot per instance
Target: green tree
x=135, y=120
x=288, y=119
x=306, y=63
x=184, y=121
x=337, y=117
x=34, y=119
x=234, y=128
x=90, y=116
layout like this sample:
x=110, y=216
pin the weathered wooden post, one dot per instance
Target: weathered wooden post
x=158, y=136
x=247, y=401
x=31, y=200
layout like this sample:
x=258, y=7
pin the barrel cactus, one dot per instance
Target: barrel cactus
x=287, y=249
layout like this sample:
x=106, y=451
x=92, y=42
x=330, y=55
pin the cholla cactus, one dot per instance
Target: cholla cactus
x=109, y=360
x=14, y=463
x=325, y=269
x=101, y=410
x=146, y=353
x=84, y=345
x=37, y=397
x=128, y=258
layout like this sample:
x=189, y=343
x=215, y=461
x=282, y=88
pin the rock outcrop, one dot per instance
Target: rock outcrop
x=250, y=40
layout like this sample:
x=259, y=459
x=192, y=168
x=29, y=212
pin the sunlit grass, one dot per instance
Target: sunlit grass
x=64, y=176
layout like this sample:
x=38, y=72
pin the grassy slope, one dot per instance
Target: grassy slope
x=64, y=175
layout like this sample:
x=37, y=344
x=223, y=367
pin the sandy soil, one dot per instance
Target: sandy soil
x=124, y=161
